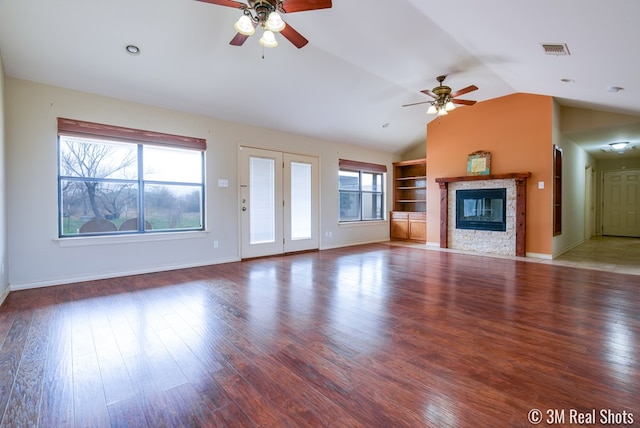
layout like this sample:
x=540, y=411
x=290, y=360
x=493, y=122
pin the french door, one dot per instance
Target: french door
x=279, y=202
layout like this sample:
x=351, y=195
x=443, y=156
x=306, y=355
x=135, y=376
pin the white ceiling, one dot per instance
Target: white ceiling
x=364, y=60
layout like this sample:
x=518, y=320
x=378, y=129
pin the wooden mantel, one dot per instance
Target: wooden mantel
x=521, y=205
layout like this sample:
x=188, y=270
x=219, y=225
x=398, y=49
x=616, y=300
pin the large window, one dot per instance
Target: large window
x=116, y=180
x=361, y=189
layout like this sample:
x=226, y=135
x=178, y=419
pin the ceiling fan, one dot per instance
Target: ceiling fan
x=444, y=100
x=266, y=13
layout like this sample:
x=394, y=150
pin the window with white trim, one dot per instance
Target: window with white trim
x=115, y=180
x=361, y=191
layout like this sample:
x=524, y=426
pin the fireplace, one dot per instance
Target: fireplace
x=481, y=209
x=510, y=242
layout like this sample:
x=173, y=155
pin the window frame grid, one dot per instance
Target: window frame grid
x=360, y=192
x=107, y=134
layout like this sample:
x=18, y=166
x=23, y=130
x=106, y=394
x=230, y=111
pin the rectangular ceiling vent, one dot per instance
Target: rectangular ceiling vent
x=556, y=49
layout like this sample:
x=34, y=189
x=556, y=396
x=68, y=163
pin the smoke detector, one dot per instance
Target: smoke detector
x=556, y=49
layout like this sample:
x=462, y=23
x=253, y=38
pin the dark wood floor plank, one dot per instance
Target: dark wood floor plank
x=57, y=404
x=23, y=406
x=260, y=410
x=127, y=413
x=375, y=335
x=88, y=393
x=11, y=354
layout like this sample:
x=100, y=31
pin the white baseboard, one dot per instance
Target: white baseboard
x=569, y=248
x=539, y=256
x=4, y=294
x=351, y=244
x=107, y=275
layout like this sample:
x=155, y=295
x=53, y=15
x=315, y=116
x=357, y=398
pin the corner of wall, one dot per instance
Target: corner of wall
x=4, y=277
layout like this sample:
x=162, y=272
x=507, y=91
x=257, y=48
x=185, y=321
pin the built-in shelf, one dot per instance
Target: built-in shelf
x=408, y=216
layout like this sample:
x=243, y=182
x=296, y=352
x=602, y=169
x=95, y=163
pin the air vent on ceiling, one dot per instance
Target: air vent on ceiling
x=556, y=49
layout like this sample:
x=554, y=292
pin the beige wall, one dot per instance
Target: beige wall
x=417, y=151
x=38, y=258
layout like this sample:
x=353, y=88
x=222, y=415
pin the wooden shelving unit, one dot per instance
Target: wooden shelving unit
x=408, y=217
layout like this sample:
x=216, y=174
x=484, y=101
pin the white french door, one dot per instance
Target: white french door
x=279, y=202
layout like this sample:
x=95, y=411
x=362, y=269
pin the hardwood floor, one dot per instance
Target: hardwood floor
x=370, y=336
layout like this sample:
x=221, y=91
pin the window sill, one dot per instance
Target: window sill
x=83, y=241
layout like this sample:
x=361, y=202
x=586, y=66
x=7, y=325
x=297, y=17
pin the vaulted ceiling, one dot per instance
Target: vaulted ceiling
x=364, y=60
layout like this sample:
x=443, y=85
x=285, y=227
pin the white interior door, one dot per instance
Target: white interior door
x=621, y=203
x=278, y=202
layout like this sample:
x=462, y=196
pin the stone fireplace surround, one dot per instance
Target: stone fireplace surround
x=511, y=242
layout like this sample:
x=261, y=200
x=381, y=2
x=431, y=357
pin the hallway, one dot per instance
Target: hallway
x=607, y=253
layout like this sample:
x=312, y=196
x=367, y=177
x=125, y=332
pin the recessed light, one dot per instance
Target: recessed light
x=619, y=145
x=133, y=49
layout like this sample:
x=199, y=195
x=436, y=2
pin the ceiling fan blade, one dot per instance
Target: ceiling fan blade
x=465, y=102
x=415, y=104
x=464, y=91
x=428, y=92
x=293, y=36
x=238, y=40
x=228, y=3
x=289, y=6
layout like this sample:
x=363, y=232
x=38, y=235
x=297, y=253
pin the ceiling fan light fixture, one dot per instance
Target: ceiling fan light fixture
x=244, y=26
x=621, y=145
x=432, y=109
x=450, y=106
x=268, y=39
x=275, y=22
x=442, y=112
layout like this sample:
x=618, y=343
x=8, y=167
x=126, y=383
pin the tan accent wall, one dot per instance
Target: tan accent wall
x=517, y=130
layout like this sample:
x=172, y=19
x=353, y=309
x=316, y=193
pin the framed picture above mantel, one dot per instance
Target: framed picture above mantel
x=479, y=163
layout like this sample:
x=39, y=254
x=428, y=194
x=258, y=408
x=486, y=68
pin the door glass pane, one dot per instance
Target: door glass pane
x=300, y=201
x=262, y=214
